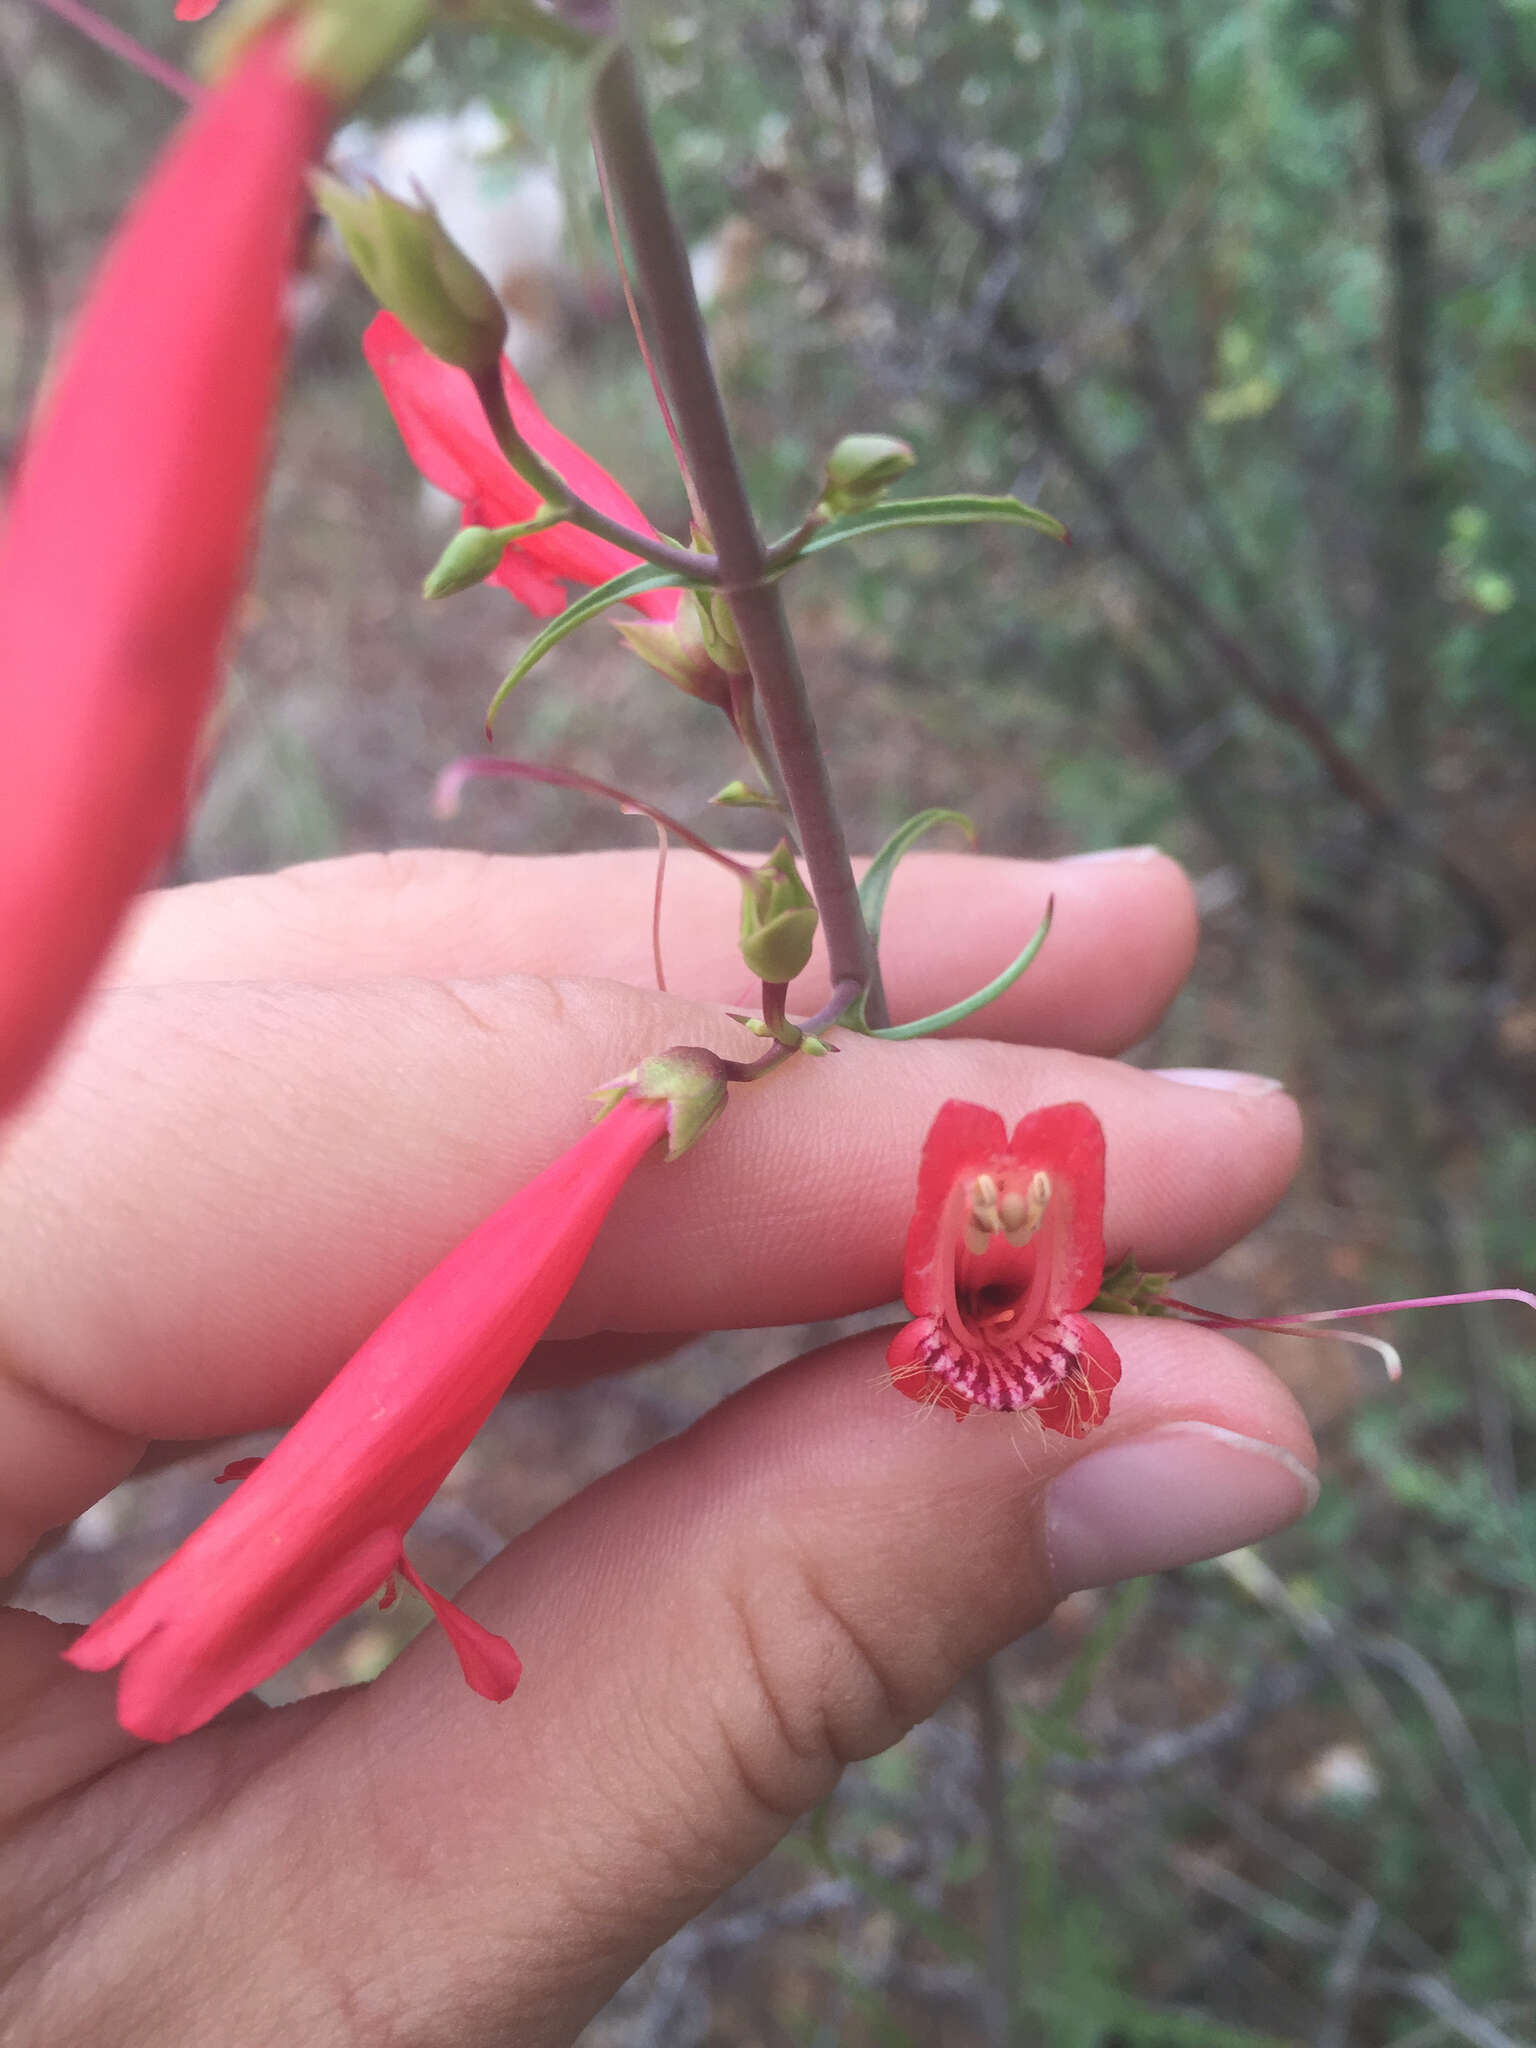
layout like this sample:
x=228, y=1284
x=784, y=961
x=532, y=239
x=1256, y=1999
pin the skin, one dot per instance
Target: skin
x=296, y=1094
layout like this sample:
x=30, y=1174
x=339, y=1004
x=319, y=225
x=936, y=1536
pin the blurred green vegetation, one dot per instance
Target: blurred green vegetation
x=1243, y=291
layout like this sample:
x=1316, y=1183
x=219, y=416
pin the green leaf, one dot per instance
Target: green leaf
x=962, y=509
x=632, y=583
x=958, y=1012
x=877, y=881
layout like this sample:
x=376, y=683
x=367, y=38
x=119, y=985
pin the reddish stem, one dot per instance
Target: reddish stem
x=501, y=767
x=110, y=37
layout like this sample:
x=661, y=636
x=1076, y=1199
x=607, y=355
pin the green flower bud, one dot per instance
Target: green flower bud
x=861, y=469
x=474, y=553
x=778, y=918
x=415, y=270
x=689, y=1080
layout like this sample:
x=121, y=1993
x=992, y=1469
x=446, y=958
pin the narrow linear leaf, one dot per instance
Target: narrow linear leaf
x=958, y=1012
x=956, y=510
x=877, y=876
x=877, y=881
x=633, y=583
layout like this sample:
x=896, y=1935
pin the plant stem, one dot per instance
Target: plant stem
x=558, y=495
x=682, y=355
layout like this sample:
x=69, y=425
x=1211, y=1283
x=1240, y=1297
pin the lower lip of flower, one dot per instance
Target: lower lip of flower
x=1007, y=1374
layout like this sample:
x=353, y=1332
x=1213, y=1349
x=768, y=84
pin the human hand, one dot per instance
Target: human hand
x=302, y=1091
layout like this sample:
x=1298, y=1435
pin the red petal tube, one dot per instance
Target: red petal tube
x=126, y=540
x=320, y=1523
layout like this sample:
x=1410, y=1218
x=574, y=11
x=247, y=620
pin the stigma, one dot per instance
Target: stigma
x=1012, y=1213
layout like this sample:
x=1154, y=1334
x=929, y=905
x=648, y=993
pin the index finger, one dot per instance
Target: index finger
x=1122, y=941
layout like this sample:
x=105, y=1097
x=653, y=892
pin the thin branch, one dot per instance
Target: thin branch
x=1010, y=357
x=1004, y=1904
x=1174, y=1750
x=108, y=36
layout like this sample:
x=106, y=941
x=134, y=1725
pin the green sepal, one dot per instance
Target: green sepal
x=632, y=583
x=1127, y=1291
x=877, y=881
x=741, y=796
x=958, y=1012
x=689, y=1080
x=717, y=632
x=958, y=510
x=778, y=918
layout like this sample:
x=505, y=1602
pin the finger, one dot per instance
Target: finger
x=1121, y=943
x=226, y=1188
x=709, y=1636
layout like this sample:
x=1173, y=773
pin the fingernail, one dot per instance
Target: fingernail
x=1222, y=1078
x=1105, y=853
x=1183, y=1492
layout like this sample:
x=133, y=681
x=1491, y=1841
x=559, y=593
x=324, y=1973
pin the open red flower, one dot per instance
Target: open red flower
x=320, y=1523
x=1006, y=1248
x=125, y=543
x=447, y=436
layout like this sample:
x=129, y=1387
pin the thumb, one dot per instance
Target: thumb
x=710, y=1634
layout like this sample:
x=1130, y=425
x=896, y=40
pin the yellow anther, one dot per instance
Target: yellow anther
x=984, y=1191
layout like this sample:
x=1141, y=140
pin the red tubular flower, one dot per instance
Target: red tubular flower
x=127, y=536
x=448, y=439
x=1006, y=1248
x=320, y=1523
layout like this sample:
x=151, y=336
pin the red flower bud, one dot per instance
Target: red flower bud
x=126, y=540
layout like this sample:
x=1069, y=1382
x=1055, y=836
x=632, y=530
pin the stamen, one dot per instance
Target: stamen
x=978, y=1236
x=983, y=1213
